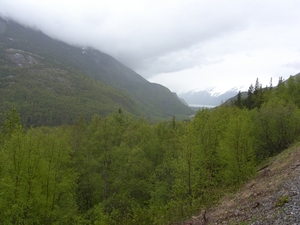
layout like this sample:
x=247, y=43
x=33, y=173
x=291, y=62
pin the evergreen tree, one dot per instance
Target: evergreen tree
x=238, y=101
x=249, y=100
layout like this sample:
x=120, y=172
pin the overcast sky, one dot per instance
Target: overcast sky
x=184, y=44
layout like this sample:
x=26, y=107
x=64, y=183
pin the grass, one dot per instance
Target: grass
x=281, y=201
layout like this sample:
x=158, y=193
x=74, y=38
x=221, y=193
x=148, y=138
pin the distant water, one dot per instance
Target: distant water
x=201, y=106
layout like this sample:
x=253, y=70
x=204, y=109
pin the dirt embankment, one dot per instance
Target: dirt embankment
x=273, y=197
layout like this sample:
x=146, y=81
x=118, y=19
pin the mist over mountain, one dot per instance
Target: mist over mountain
x=210, y=96
x=73, y=80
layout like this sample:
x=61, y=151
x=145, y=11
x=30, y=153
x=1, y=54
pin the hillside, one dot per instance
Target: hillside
x=49, y=95
x=271, y=198
x=31, y=53
x=244, y=94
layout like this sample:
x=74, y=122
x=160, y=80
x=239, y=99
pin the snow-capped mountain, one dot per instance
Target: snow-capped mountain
x=210, y=96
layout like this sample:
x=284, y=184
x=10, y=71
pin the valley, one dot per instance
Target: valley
x=86, y=140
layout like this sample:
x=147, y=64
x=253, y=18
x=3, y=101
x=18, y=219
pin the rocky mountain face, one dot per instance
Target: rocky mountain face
x=27, y=51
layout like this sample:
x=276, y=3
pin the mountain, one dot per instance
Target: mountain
x=41, y=75
x=210, y=96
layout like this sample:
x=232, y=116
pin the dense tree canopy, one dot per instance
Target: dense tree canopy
x=122, y=170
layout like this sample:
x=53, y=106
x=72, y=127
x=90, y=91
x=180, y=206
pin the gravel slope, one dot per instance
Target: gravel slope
x=273, y=197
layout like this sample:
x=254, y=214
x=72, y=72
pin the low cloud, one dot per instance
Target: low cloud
x=295, y=65
x=156, y=37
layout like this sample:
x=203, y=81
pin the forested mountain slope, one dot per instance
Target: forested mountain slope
x=244, y=98
x=52, y=95
x=27, y=53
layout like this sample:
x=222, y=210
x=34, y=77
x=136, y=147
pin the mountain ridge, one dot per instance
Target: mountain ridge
x=22, y=45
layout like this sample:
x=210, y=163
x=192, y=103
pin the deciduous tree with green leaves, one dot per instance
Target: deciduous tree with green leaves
x=236, y=150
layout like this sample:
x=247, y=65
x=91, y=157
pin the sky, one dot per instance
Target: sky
x=181, y=44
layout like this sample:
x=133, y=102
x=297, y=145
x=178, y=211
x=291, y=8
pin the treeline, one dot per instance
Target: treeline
x=120, y=170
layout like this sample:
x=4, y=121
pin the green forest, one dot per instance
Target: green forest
x=118, y=169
